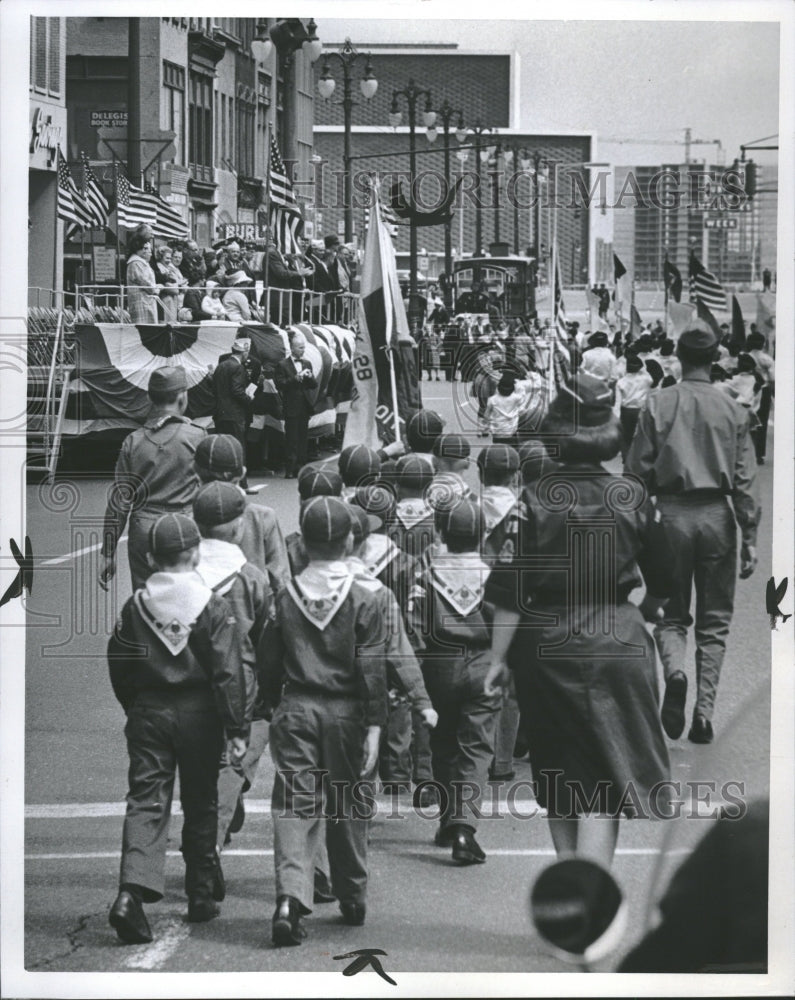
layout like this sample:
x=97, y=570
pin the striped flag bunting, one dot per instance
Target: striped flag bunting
x=285, y=218
x=704, y=286
x=94, y=195
x=71, y=204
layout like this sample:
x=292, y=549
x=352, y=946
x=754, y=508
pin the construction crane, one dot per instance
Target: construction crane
x=687, y=142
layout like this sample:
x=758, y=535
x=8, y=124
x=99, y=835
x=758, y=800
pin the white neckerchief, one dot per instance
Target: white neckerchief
x=379, y=551
x=460, y=577
x=169, y=604
x=496, y=502
x=320, y=589
x=412, y=510
x=219, y=563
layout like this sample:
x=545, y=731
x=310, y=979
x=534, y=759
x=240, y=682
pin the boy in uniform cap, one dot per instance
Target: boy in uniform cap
x=693, y=451
x=219, y=457
x=219, y=510
x=358, y=466
x=154, y=474
x=450, y=460
x=422, y=430
x=176, y=669
x=406, y=690
x=327, y=654
x=632, y=391
x=450, y=625
x=312, y=482
x=412, y=526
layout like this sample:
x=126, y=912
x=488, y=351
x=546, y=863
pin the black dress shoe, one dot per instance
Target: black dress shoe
x=353, y=913
x=287, y=928
x=466, y=850
x=219, y=883
x=322, y=891
x=444, y=836
x=672, y=713
x=202, y=908
x=238, y=816
x=700, y=730
x=128, y=919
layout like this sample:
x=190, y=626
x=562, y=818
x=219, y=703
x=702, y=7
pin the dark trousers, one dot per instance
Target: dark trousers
x=237, y=430
x=462, y=743
x=702, y=536
x=295, y=442
x=317, y=745
x=763, y=413
x=629, y=421
x=394, y=758
x=169, y=732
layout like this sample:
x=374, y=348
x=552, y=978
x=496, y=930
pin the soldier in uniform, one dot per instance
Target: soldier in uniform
x=154, y=475
x=175, y=662
x=693, y=450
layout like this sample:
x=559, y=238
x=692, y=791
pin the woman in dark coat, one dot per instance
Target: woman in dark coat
x=583, y=662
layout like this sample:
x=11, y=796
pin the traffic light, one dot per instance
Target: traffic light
x=750, y=179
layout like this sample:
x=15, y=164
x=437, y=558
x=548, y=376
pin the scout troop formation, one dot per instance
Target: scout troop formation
x=405, y=631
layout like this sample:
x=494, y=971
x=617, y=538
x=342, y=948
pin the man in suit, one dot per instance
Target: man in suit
x=294, y=378
x=232, y=401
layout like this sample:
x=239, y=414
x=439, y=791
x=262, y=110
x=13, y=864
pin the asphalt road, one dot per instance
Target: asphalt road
x=425, y=913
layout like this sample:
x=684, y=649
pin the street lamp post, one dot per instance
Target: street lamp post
x=514, y=159
x=478, y=131
x=535, y=172
x=412, y=93
x=446, y=113
x=348, y=57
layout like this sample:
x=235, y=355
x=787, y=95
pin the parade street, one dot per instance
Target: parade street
x=425, y=913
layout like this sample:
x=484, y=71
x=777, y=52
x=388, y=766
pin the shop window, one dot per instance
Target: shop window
x=172, y=115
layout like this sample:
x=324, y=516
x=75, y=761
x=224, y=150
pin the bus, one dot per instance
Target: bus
x=512, y=278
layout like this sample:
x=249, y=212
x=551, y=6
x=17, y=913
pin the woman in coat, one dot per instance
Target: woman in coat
x=142, y=287
x=583, y=662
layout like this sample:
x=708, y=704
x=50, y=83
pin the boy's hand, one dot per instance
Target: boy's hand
x=237, y=748
x=107, y=570
x=496, y=678
x=653, y=608
x=429, y=717
x=371, y=744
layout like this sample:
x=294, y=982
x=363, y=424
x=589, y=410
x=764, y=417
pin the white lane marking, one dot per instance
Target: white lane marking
x=241, y=852
x=169, y=935
x=76, y=554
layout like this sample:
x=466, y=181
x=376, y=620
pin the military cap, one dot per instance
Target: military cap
x=172, y=534
x=358, y=461
x=220, y=453
x=325, y=519
x=413, y=471
x=700, y=337
x=241, y=345
x=218, y=503
x=585, y=401
x=451, y=446
x=498, y=458
x=462, y=520
x=314, y=482
x=171, y=379
x=362, y=523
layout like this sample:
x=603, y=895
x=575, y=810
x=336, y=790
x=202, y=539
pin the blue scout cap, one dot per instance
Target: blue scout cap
x=314, y=482
x=451, y=446
x=498, y=458
x=218, y=503
x=325, y=519
x=463, y=520
x=220, y=453
x=358, y=461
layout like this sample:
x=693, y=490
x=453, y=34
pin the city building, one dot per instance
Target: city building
x=733, y=240
x=483, y=86
x=182, y=104
x=46, y=136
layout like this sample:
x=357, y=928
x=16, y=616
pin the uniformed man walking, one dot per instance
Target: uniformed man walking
x=154, y=475
x=693, y=449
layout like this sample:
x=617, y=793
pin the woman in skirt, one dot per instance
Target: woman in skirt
x=583, y=662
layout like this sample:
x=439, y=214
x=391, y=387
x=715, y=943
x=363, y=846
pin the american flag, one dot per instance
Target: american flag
x=136, y=206
x=705, y=287
x=285, y=217
x=71, y=204
x=94, y=195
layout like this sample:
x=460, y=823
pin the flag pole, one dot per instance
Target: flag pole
x=382, y=236
x=665, y=286
x=266, y=268
x=118, y=243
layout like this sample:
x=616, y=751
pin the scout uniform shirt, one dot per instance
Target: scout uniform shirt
x=176, y=635
x=154, y=475
x=263, y=543
x=328, y=640
x=500, y=507
x=412, y=527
